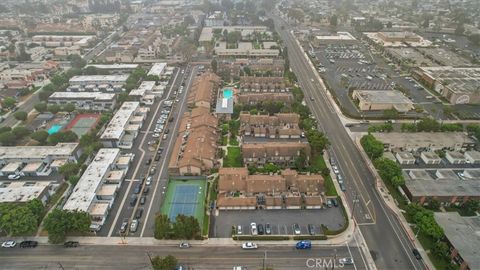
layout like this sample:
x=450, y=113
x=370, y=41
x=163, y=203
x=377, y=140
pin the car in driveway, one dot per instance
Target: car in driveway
x=249, y=245
x=9, y=244
x=346, y=261
x=296, y=229
x=71, y=244
x=28, y=244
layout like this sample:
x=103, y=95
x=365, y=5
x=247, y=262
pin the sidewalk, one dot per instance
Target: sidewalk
x=390, y=202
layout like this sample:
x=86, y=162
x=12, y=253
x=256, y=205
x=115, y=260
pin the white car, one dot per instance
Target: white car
x=253, y=228
x=346, y=261
x=14, y=176
x=249, y=245
x=156, y=135
x=9, y=244
x=335, y=170
x=149, y=181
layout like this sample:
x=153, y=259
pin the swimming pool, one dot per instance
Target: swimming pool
x=227, y=93
x=54, y=129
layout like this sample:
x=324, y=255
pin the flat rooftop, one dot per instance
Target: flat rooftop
x=406, y=155
x=337, y=37
x=144, y=87
x=459, y=80
x=157, y=69
x=119, y=122
x=382, y=96
x=83, y=95
x=412, y=55
x=22, y=191
x=423, y=139
x=99, y=78
x=442, y=187
x=115, y=66
x=37, y=152
x=84, y=192
x=464, y=234
x=445, y=57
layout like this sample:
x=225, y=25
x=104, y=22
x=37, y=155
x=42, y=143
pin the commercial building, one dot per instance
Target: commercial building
x=278, y=126
x=124, y=126
x=36, y=160
x=421, y=141
x=280, y=153
x=421, y=186
x=103, y=83
x=398, y=39
x=457, y=85
x=195, y=148
x=337, y=38
x=405, y=158
x=21, y=191
x=90, y=101
x=444, y=57
x=461, y=234
x=97, y=188
x=409, y=56
x=376, y=100
x=287, y=190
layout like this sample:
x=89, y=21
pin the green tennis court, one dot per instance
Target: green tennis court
x=185, y=197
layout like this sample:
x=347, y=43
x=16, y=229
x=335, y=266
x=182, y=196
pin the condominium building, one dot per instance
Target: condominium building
x=90, y=101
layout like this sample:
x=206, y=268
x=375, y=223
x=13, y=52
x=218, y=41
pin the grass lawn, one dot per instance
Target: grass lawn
x=224, y=140
x=233, y=141
x=428, y=243
x=233, y=157
x=319, y=164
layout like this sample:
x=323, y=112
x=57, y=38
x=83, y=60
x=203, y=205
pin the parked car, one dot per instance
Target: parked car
x=416, y=253
x=124, y=226
x=165, y=136
x=134, y=225
x=146, y=190
x=296, y=229
x=70, y=244
x=9, y=244
x=268, y=228
x=156, y=135
x=239, y=229
x=346, y=261
x=28, y=244
x=148, y=162
x=153, y=170
x=160, y=150
x=157, y=157
x=253, y=228
x=342, y=186
x=139, y=213
x=304, y=244
x=13, y=176
x=249, y=245
x=311, y=229
x=133, y=200
x=184, y=245
x=260, y=229
x=137, y=189
x=149, y=181
x=334, y=202
x=143, y=199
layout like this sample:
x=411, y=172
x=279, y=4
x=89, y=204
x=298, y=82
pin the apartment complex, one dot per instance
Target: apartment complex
x=36, y=160
x=90, y=101
x=203, y=90
x=124, y=126
x=282, y=153
x=97, y=188
x=286, y=190
x=25, y=191
x=278, y=126
x=254, y=90
x=247, y=49
x=260, y=67
x=102, y=83
x=453, y=141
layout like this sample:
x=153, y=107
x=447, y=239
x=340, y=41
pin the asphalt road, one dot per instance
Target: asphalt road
x=196, y=257
x=388, y=243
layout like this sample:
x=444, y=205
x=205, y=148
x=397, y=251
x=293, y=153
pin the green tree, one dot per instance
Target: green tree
x=301, y=160
x=186, y=227
x=73, y=179
x=90, y=70
x=318, y=141
x=162, y=227
x=440, y=249
x=5, y=129
x=9, y=102
x=373, y=147
x=433, y=204
x=167, y=263
x=67, y=136
x=69, y=107
x=334, y=20
x=428, y=125
x=69, y=169
x=40, y=136
x=389, y=171
x=54, y=108
x=469, y=208
x=49, y=88
x=19, y=221
x=20, y=115
x=21, y=132
x=7, y=138
x=41, y=107
x=390, y=114
x=214, y=65
x=44, y=95
x=37, y=208
x=397, y=181
x=76, y=61
x=60, y=222
x=59, y=80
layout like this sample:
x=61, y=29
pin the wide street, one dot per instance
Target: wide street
x=388, y=243
x=196, y=257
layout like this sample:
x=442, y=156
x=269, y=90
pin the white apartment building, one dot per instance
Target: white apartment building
x=90, y=101
x=102, y=83
x=97, y=188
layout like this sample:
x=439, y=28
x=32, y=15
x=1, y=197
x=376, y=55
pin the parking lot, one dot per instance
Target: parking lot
x=281, y=221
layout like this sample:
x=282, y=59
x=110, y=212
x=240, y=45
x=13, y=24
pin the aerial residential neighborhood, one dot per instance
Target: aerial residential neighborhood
x=240, y=134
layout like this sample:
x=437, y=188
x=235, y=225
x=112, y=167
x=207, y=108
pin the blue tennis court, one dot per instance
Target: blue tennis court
x=184, y=201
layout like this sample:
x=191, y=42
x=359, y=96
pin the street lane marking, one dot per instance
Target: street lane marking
x=351, y=256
